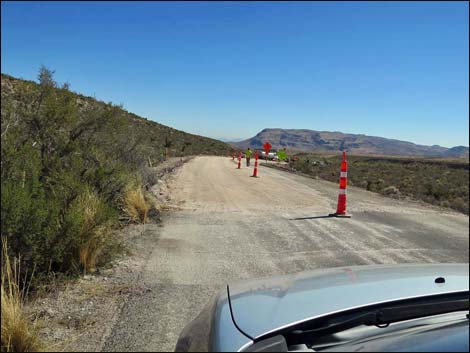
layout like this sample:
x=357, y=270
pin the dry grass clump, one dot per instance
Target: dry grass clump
x=135, y=205
x=94, y=232
x=17, y=332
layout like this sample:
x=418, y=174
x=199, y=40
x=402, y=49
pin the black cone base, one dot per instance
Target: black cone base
x=337, y=215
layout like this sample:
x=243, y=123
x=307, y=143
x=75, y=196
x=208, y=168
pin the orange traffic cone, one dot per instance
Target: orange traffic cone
x=343, y=181
x=255, y=171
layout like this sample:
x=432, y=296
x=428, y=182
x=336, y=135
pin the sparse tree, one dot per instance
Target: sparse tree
x=46, y=77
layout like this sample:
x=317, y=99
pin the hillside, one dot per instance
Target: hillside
x=331, y=142
x=147, y=138
x=74, y=170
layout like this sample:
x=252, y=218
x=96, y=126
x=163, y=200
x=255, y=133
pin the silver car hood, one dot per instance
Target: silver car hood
x=262, y=306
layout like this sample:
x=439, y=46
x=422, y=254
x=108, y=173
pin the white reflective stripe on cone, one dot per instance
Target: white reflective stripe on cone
x=344, y=175
x=342, y=191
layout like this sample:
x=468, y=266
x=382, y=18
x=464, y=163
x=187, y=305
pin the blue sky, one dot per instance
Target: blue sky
x=230, y=69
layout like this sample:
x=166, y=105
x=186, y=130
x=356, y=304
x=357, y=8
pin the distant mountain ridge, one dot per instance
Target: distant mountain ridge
x=327, y=141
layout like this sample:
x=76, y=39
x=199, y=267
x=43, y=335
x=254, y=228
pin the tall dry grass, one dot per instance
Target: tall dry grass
x=135, y=205
x=93, y=236
x=17, y=332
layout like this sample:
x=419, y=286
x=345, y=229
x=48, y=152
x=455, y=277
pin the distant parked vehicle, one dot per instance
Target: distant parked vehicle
x=272, y=155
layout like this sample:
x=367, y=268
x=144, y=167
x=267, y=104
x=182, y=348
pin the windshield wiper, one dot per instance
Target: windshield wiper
x=381, y=318
x=380, y=315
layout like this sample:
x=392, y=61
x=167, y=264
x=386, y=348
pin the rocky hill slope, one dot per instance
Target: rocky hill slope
x=149, y=139
x=331, y=142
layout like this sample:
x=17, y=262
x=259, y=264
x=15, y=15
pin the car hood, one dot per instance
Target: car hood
x=262, y=306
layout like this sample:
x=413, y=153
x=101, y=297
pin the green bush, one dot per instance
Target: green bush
x=66, y=160
x=60, y=187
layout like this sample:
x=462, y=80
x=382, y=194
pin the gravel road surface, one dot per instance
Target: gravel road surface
x=230, y=226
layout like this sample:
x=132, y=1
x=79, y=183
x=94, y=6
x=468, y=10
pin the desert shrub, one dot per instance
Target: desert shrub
x=60, y=187
x=29, y=218
x=363, y=184
x=66, y=162
x=440, y=182
x=154, y=208
x=459, y=204
x=149, y=177
x=391, y=190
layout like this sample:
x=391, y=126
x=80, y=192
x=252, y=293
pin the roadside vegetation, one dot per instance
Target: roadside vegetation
x=136, y=206
x=18, y=334
x=441, y=182
x=73, y=170
x=61, y=180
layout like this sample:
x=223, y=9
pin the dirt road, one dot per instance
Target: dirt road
x=232, y=227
